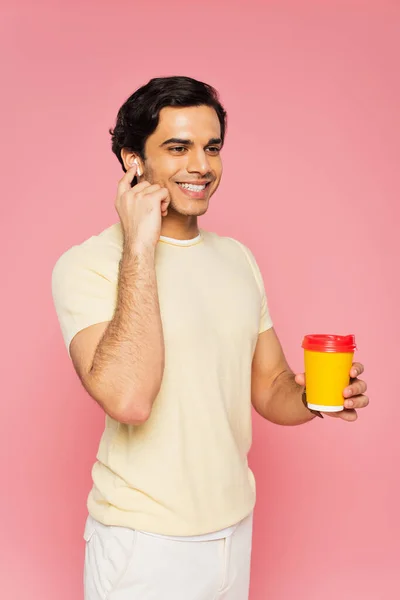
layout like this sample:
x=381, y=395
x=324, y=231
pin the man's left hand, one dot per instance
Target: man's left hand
x=354, y=394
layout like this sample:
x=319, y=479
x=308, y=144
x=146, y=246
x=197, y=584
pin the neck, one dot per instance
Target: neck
x=179, y=227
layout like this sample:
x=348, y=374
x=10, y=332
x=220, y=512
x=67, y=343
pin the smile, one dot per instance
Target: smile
x=193, y=187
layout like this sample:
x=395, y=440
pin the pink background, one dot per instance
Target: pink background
x=311, y=184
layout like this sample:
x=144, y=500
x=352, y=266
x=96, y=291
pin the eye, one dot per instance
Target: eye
x=214, y=149
x=178, y=148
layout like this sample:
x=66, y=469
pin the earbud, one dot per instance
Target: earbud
x=138, y=168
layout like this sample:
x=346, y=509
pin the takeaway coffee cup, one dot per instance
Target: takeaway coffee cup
x=327, y=362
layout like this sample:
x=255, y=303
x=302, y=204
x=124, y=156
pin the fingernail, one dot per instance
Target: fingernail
x=348, y=391
x=349, y=404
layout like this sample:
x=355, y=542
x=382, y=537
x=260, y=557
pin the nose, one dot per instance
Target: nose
x=198, y=162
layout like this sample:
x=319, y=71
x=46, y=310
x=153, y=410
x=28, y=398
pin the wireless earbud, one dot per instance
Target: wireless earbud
x=138, y=168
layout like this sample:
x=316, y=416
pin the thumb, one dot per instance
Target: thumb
x=164, y=206
x=300, y=379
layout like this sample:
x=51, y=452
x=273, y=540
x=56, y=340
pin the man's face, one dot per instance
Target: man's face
x=192, y=158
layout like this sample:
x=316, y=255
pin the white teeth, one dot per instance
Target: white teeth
x=191, y=187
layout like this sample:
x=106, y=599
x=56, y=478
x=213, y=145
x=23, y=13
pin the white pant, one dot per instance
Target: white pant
x=125, y=564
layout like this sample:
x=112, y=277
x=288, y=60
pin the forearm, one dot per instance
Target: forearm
x=129, y=360
x=283, y=404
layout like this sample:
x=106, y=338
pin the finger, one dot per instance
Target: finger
x=356, y=388
x=152, y=188
x=143, y=185
x=164, y=207
x=160, y=195
x=136, y=189
x=345, y=415
x=356, y=369
x=300, y=379
x=348, y=415
x=125, y=182
x=357, y=402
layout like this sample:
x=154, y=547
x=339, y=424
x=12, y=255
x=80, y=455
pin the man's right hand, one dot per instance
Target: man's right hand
x=140, y=209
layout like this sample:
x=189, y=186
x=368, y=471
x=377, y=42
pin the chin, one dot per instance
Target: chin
x=191, y=209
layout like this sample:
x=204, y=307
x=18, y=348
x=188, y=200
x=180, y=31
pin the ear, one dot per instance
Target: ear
x=129, y=158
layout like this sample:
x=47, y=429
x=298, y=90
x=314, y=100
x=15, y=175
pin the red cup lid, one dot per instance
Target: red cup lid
x=329, y=343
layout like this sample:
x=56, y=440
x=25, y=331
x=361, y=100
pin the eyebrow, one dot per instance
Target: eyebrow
x=189, y=142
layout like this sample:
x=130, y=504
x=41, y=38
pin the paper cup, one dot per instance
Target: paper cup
x=327, y=361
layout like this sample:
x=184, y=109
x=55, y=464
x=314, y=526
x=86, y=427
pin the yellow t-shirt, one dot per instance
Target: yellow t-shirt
x=184, y=471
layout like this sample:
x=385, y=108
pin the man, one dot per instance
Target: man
x=168, y=328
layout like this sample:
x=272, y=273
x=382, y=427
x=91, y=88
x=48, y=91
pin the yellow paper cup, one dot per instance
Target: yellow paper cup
x=327, y=362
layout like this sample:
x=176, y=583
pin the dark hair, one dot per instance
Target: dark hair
x=138, y=117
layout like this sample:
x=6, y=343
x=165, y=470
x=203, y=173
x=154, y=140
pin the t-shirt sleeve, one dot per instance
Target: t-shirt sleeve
x=82, y=294
x=265, y=317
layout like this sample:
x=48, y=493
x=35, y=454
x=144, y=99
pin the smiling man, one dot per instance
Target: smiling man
x=168, y=328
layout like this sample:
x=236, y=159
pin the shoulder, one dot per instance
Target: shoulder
x=100, y=253
x=232, y=246
x=237, y=253
x=224, y=242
